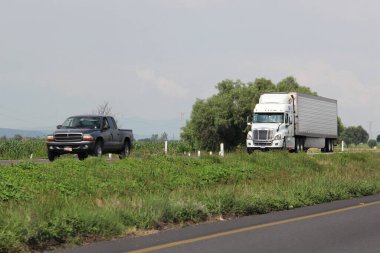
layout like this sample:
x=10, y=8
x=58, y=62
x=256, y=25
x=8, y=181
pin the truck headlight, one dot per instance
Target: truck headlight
x=87, y=137
x=277, y=137
x=50, y=138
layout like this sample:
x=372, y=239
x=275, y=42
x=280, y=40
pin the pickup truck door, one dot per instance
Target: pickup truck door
x=107, y=135
x=117, y=142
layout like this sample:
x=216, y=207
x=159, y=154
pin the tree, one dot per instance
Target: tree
x=340, y=127
x=104, y=109
x=164, y=137
x=372, y=143
x=154, y=137
x=355, y=135
x=223, y=116
x=17, y=137
x=378, y=138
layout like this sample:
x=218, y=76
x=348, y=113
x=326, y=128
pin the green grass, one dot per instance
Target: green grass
x=70, y=201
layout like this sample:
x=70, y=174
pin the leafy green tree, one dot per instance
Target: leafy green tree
x=223, y=116
x=378, y=138
x=355, y=135
x=372, y=143
x=340, y=127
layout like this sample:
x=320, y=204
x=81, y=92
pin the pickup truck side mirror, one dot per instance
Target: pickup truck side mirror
x=59, y=126
x=249, y=124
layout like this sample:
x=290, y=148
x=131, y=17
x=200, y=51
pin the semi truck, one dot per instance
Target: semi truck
x=294, y=122
x=89, y=135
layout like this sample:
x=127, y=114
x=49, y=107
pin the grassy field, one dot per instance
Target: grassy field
x=70, y=201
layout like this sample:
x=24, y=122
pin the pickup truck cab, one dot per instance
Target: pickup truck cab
x=89, y=135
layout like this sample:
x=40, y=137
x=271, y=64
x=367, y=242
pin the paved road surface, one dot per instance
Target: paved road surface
x=341, y=226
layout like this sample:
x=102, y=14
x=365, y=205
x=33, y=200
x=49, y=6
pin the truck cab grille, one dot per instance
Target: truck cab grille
x=68, y=137
x=262, y=135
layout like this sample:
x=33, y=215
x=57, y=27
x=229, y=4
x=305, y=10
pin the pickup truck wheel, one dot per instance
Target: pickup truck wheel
x=98, y=150
x=51, y=156
x=82, y=156
x=126, y=151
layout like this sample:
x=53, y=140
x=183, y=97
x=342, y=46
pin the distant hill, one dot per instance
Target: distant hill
x=8, y=132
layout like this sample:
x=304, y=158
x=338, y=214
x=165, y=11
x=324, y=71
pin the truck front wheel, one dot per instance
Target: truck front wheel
x=98, y=150
x=51, y=156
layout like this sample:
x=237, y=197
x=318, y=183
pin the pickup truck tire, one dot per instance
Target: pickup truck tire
x=125, y=151
x=51, y=156
x=82, y=156
x=98, y=149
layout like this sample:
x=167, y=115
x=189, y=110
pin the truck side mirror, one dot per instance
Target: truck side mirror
x=59, y=126
x=249, y=124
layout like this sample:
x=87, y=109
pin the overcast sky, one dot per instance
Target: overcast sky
x=152, y=59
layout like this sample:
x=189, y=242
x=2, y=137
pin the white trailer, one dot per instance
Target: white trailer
x=293, y=121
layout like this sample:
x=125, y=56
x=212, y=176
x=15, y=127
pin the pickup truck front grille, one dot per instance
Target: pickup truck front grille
x=69, y=137
x=262, y=135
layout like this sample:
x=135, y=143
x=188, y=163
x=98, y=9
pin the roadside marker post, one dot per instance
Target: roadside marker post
x=342, y=145
x=166, y=147
x=221, y=152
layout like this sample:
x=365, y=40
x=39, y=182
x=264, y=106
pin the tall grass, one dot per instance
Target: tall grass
x=70, y=201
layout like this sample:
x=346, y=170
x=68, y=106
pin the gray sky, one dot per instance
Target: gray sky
x=152, y=59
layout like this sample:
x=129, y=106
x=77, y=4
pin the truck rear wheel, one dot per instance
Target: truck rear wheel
x=126, y=150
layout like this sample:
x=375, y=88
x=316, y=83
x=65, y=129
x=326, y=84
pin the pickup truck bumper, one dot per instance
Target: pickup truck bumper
x=71, y=147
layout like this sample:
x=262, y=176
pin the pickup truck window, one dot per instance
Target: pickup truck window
x=105, y=123
x=82, y=122
x=112, y=122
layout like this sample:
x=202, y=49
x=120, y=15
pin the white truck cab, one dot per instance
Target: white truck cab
x=294, y=122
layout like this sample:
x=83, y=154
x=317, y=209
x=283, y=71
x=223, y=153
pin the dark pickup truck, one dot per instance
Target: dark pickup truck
x=89, y=135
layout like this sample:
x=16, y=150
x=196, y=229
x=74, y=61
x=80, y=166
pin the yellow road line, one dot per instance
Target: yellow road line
x=235, y=231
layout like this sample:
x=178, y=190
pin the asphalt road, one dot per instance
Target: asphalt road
x=341, y=226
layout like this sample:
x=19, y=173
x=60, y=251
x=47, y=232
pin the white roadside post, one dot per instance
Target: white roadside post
x=166, y=147
x=221, y=152
x=199, y=153
x=210, y=153
x=31, y=156
x=109, y=156
x=342, y=145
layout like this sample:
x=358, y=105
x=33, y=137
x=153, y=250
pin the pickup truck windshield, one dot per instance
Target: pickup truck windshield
x=82, y=122
x=268, y=118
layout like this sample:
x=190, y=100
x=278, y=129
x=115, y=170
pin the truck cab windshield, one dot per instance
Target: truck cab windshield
x=268, y=118
x=82, y=122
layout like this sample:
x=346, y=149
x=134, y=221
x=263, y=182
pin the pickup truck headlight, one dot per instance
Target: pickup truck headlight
x=249, y=135
x=277, y=137
x=87, y=137
x=50, y=138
